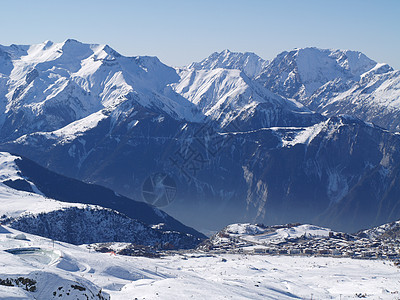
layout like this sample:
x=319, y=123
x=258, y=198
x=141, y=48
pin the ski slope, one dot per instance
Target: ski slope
x=192, y=275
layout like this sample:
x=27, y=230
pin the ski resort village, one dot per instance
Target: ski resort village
x=237, y=267
x=296, y=239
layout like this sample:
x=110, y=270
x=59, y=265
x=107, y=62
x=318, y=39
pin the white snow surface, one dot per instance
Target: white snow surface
x=291, y=136
x=14, y=203
x=69, y=132
x=10, y=171
x=304, y=136
x=192, y=275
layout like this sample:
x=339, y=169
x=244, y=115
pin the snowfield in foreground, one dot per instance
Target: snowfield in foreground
x=73, y=272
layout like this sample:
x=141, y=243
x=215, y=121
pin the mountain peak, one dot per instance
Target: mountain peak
x=72, y=41
x=300, y=72
x=110, y=50
x=47, y=43
x=327, y=60
x=250, y=63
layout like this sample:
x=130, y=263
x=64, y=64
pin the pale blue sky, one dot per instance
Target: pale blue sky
x=182, y=31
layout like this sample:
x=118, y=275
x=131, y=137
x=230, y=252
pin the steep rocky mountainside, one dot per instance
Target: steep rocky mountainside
x=340, y=172
x=41, y=202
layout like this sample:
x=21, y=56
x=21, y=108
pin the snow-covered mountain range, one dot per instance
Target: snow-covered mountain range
x=51, y=85
x=229, y=95
x=335, y=82
x=299, y=73
x=245, y=139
